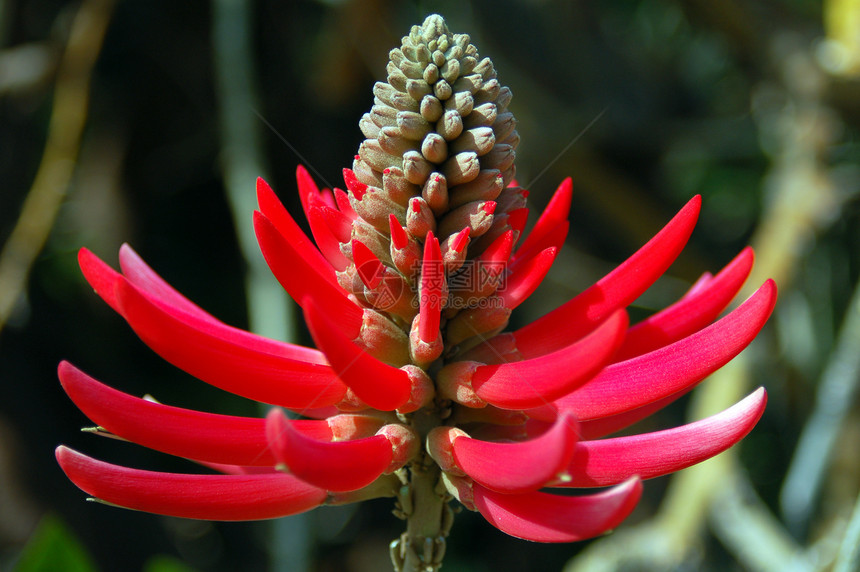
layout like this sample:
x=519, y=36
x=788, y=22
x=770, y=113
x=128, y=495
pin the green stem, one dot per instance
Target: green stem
x=424, y=504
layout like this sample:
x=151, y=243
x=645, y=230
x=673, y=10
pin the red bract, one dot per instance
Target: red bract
x=415, y=392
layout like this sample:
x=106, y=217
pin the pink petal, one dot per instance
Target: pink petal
x=377, y=384
x=610, y=461
x=693, y=312
x=518, y=467
x=334, y=466
x=537, y=381
x=526, y=277
x=176, y=431
x=274, y=211
x=302, y=277
x=220, y=357
x=616, y=290
x=553, y=217
x=543, y=517
x=674, y=368
x=206, y=497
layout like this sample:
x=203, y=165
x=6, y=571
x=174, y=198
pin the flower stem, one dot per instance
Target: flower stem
x=424, y=504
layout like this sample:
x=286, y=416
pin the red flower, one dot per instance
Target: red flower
x=405, y=288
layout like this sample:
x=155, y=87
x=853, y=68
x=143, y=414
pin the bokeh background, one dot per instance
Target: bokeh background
x=147, y=121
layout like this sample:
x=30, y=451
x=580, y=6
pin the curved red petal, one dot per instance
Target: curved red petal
x=674, y=368
x=272, y=208
x=206, y=437
x=610, y=461
x=616, y=290
x=220, y=357
x=333, y=466
x=694, y=311
x=538, y=381
x=430, y=294
x=301, y=277
x=327, y=242
x=141, y=275
x=526, y=277
x=105, y=281
x=369, y=268
x=544, y=517
x=377, y=384
x=518, y=467
x=206, y=497
x=551, y=219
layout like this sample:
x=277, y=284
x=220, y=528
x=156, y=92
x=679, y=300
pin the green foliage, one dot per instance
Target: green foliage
x=54, y=547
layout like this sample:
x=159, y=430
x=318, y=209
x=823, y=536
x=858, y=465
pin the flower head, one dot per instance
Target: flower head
x=416, y=391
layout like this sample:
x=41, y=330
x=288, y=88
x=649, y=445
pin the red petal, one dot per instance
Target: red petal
x=301, y=277
x=611, y=461
x=326, y=240
x=369, y=268
x=616, y=290
x=219, y=355
x=105, y=281
x=526, y=277
x=553, y=217
x=674, y=368
x=334, y=466
x=430, y=294
x=518, y=467
x=543, y=517
x=274, y=211
x=207, y=497
x=379, y=385
x=182, y=432
x=537, y=381
x=694, y=311
x=141, y=275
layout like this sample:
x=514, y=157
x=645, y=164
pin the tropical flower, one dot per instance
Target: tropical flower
x=415, y=392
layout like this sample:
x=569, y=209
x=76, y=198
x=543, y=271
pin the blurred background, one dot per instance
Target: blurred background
x=146, y=122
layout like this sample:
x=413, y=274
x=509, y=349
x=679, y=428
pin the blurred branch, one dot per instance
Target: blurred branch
x=849, y=552
x=837, y=392
x=68, y=118
x=270, y=312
